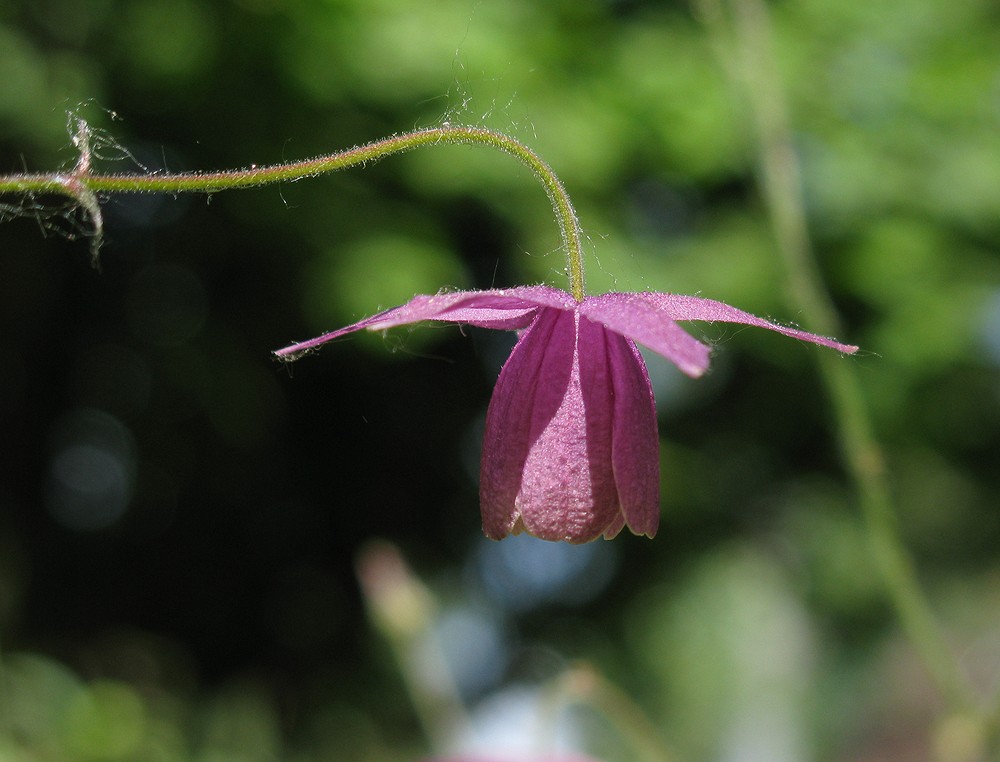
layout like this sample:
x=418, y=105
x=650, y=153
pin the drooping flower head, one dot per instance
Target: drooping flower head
x=570, y=450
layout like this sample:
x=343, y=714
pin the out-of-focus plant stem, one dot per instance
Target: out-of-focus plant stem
x=402, y=610
x=741, y=29
x=584, y=685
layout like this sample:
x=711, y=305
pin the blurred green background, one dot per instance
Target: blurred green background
x=180, y=517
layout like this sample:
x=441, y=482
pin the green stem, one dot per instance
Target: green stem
x=585, y=686
x=403, y=610
x=83, y=185
x=757, y=72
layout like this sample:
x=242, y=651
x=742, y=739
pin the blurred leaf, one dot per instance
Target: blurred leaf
x=106, y=722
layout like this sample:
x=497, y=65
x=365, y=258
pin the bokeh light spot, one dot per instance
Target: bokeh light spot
x=523, y=572
x=990, y=328
x=92, y=471
x=473, y=643
x=167, y=304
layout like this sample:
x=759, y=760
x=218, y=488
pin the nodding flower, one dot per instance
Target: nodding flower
x=570, y=450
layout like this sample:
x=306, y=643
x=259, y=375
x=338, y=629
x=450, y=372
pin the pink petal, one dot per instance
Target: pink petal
x=681, y=307
x=551, y=414
x=635, y=439
x=568, y=488
x=643, y=320
x=507, y=309
x=508, y=425
x=616, y=526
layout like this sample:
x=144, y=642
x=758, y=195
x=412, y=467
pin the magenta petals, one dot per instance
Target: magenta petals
x=547, y=454
x=504, y=309
x=643, y=321
x=507, y=436
x=635, y=442
x=680, y=307
x=571, y=449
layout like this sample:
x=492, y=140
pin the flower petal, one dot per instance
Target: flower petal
x=506, y=309
x=643, y=320
x=568, y=488
x=508, y=432
x=681, y=307
x=553, y=419
x=635, y=440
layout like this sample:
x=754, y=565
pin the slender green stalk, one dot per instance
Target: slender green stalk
x=402, y=609
x=83, y=185
x=754, y=70
x=585, y=686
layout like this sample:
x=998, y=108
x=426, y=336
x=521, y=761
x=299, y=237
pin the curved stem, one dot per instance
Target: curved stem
x=82, y=185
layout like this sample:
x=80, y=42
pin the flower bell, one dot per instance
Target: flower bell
x=570, y=450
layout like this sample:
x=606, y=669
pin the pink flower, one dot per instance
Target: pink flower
x=570, y=450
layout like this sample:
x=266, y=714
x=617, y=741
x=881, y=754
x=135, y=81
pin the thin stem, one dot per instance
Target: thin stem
x=83, y=185
x=584, y=685
x=402, y=609
x=756, y=72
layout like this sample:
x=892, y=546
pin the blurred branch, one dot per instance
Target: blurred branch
x=742, y=34
x=402, y=610
x=586, y=686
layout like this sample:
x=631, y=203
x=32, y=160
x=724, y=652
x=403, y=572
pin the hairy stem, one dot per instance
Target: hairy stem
x=82, y=184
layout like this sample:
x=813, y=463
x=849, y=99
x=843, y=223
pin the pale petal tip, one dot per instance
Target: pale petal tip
x=494, y=530
x=692, y=370
x=645, y=529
